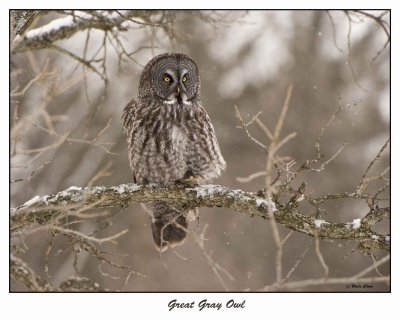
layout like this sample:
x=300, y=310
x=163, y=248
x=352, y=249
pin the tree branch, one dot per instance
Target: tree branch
x=66, y=27
x=20, y=271
x=20, y=20
x=42, y=209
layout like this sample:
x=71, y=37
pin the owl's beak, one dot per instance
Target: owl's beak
x=178, y=90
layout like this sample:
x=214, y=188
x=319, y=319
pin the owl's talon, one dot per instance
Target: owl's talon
x=190, y=181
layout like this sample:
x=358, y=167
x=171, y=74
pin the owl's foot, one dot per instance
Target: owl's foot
x=191, y=181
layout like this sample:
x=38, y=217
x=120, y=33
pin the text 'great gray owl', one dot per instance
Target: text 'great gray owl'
x=171, y=139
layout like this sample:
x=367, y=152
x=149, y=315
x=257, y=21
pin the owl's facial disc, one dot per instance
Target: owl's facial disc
x=175, y=79
x=176, y=85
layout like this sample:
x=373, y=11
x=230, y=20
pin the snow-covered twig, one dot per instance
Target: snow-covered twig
x=65, y=27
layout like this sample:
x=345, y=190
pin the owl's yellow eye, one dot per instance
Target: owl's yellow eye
x=184, y=79
x=167, y=79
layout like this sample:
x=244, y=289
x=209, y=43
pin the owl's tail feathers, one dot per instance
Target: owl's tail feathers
x=169, y=233
x=169, y=223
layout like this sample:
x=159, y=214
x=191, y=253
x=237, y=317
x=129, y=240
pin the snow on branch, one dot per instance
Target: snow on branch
x=65, y=27
x=42, y=209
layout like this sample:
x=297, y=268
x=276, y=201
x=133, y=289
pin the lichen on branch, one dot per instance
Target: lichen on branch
x=42, y=209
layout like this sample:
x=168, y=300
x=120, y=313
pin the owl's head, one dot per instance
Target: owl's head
x=171, y=77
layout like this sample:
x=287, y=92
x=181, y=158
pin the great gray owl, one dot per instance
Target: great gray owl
x=171, y=139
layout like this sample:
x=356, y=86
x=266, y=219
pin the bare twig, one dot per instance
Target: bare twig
x=215, y=267
x=65, y=137
x=251, y=177
x=103, y=172
x=357, y=278
x=298, y=261
x=89, y=238
x=349, y=60
x=264, y=128
x=20, y=271
x=274, y=146
x=294, y=285
x=244, y=127
x=333, y=31
x=372, y=267
x=382, y=24
x=320, y=257
x=364, y=181
x=33, y=173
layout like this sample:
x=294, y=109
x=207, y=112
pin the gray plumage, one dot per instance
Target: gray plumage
x=170, y=139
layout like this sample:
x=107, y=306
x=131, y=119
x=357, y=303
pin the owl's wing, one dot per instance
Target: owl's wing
x=212, y=145
x=204, y=153
x=129, y=115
